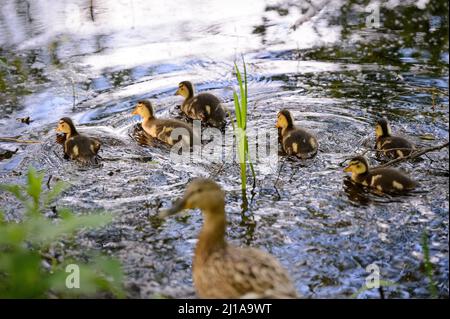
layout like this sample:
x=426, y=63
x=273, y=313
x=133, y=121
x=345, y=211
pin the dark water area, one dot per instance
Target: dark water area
x=319, y=59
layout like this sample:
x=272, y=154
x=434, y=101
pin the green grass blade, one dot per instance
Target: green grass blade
x=243, y=100
x=244, y=94
x=428, y=266
x=237, y=109
x=252, y=169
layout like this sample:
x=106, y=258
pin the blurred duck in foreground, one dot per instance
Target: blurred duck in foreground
x=169, y=131
x=384, y=180
x=295, y=141
x=221, y=270
x=389, y=145
x=76, y=146
x=205, y=107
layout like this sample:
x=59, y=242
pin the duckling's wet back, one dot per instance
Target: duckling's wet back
x=337, y=67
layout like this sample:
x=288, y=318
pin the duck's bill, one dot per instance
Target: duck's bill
x=348, y=169
x=134, y=112
x=177, y=92
x=177, y=207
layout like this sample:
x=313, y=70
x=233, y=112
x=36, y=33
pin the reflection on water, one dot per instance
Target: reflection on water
x=317, y=58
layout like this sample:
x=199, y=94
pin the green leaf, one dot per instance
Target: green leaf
x=34, y=185
x=21, y=244
x=237, y=109
x=25, y=278
x=112, y=270
x=241, y=91
x=44, y=231
x=244, y=95
x=100, y=275
x=12, y=234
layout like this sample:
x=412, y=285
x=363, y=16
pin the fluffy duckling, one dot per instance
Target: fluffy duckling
x=385, y=180
x=162, y=129
x=295, y=141
x=385, y=141
x=203, y=106
x=76, y=146
x=221, y=270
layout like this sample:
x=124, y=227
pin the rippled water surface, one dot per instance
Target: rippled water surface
x=318, y=59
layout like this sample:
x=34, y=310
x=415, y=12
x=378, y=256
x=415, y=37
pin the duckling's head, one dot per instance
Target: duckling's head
x=357, y=165
x=284, y=119
x=185, y=89
x=145, y=109
x=382, y=128
x=201, y=193
x=65, y=125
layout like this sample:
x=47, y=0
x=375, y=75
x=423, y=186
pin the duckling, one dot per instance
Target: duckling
x=203, y=106
x=295, y=141
x=162, y=129
x=221, y=270
x=76, y=146
x=399, y=146
x=385, y=180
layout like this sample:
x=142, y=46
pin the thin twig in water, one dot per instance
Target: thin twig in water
x=16, y=140
x=413, y=155
x=91, y=9
x=48, y=181
x=278, y=177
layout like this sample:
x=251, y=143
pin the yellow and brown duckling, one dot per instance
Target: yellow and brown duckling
x=169, y=131
x=385, y=141
x=205, y=107
x=295, y=141
x=76, y=146
x=221, y=270
x=385, y=180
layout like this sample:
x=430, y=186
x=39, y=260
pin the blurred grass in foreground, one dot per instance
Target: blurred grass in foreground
x=23, y=247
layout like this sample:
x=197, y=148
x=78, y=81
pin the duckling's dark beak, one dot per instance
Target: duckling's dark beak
x=348, y=169
x=177, y=207
x=134, y=112
x=177, y=92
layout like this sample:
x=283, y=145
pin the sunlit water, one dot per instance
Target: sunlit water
x=333, y=72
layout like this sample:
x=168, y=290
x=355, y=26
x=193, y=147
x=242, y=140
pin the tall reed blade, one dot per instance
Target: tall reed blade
x=240, y=106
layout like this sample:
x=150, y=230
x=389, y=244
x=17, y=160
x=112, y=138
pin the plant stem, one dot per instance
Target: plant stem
x=428, y=266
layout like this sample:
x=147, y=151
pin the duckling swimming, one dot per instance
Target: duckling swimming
x=203, y=106
x=385, y=180
x=295, y=141
x=76, y=146
x=399, y=146
x=162, y=129
x=221, y=270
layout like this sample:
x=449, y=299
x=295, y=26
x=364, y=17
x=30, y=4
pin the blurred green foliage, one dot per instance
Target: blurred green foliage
x=23, y=245
x=428, y=266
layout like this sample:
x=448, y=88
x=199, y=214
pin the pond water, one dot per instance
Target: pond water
x=336, y=72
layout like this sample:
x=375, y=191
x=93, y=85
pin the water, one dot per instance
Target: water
x=334, y=73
